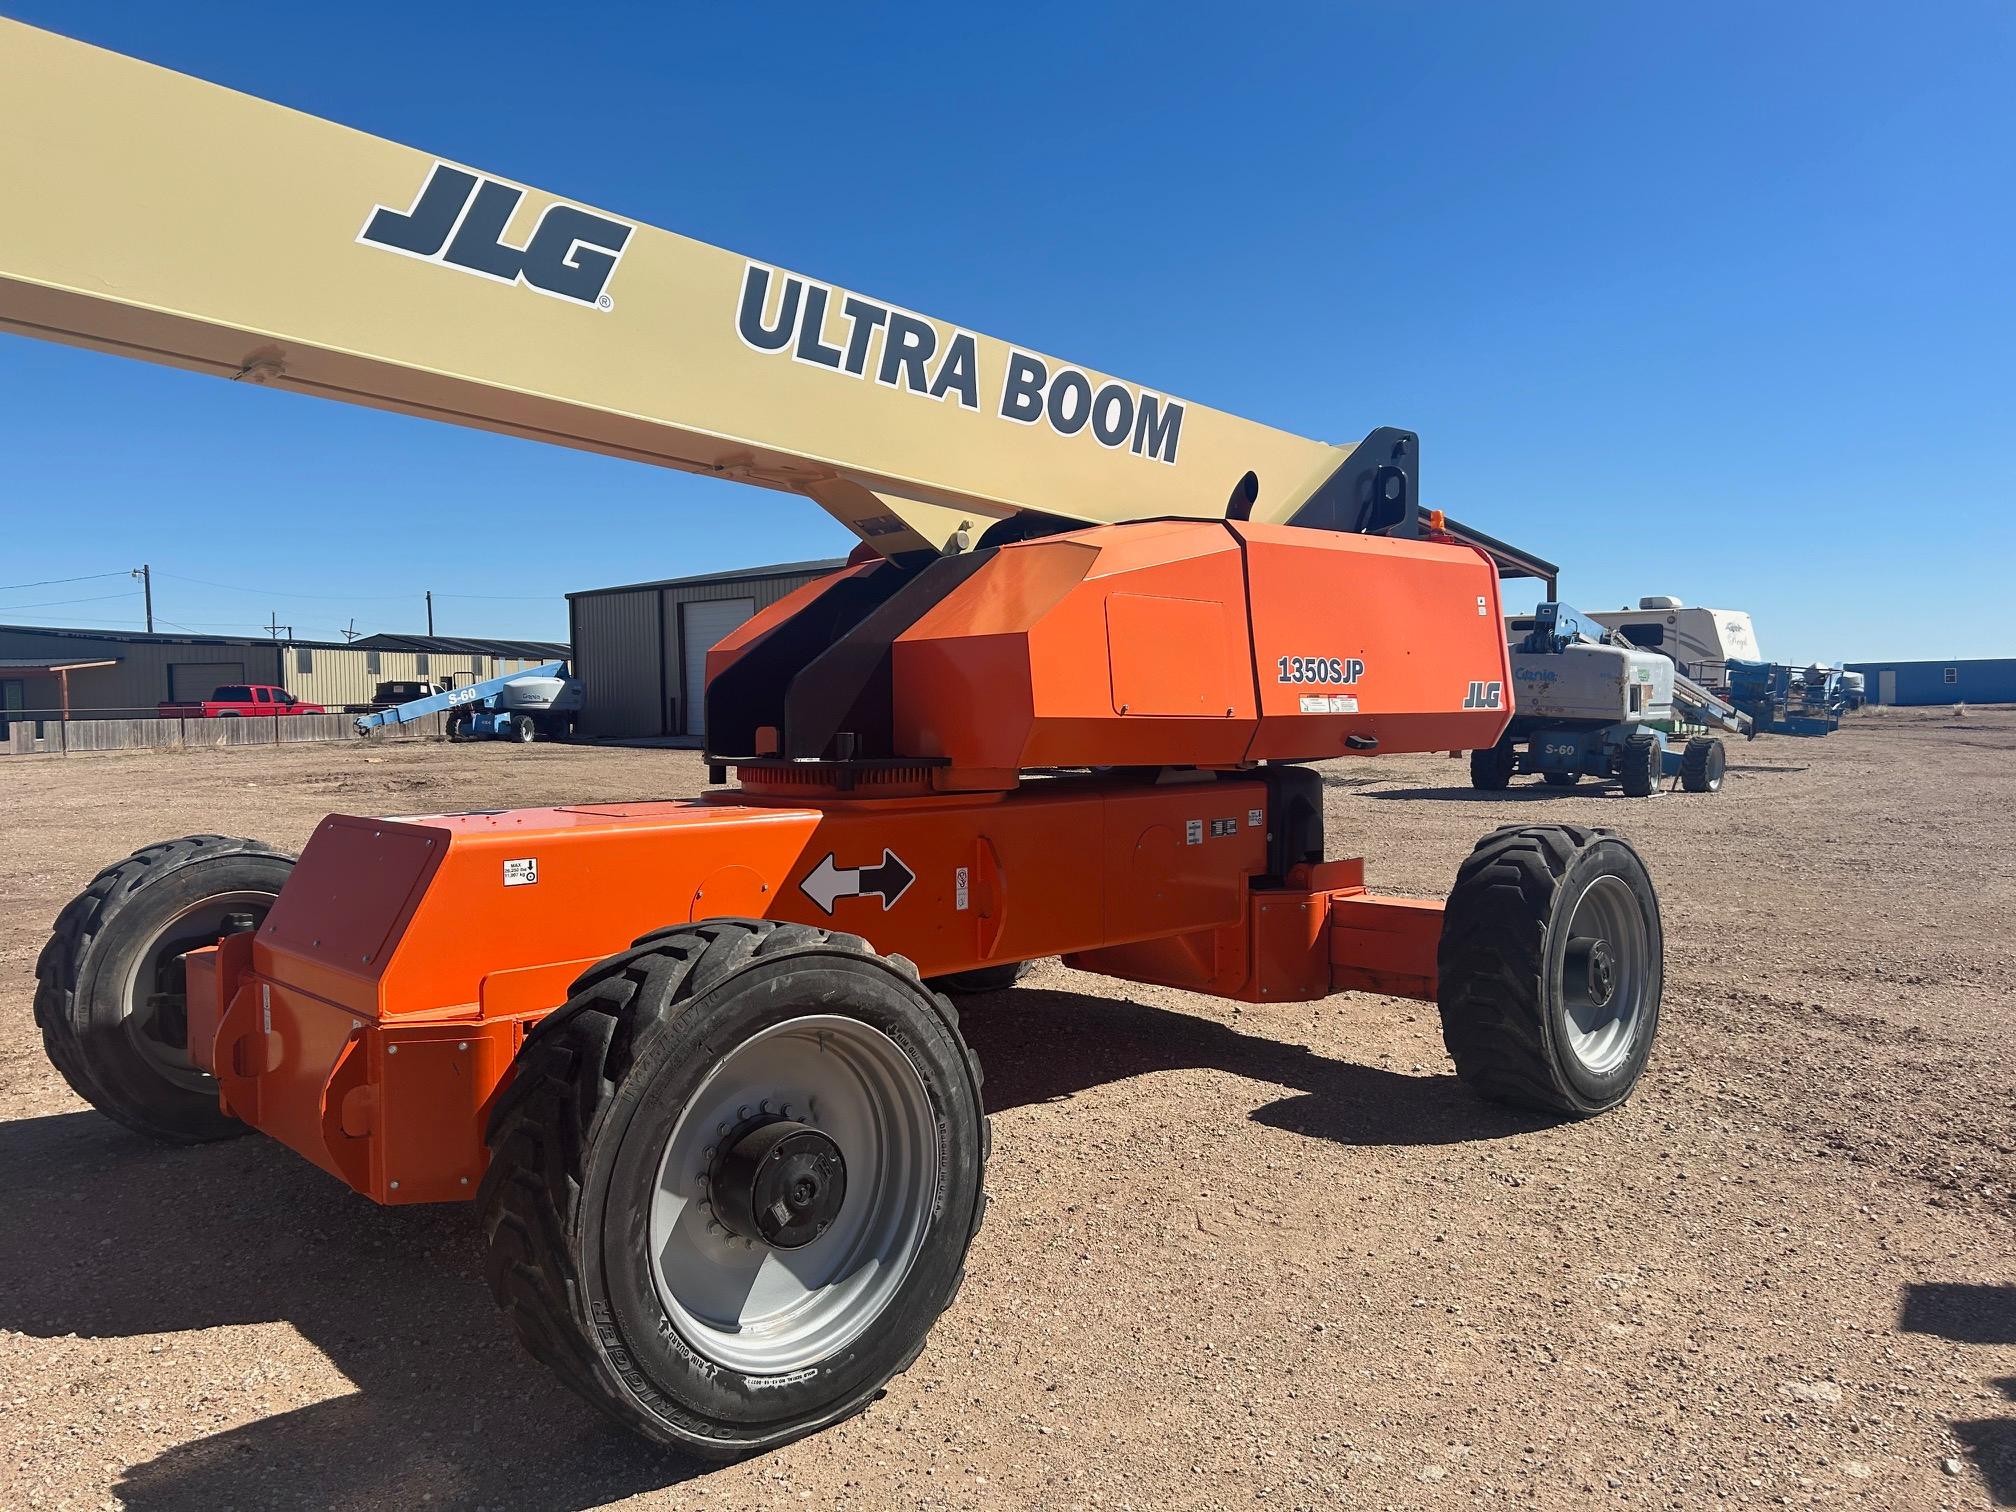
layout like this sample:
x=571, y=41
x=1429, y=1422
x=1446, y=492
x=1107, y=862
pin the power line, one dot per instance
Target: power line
x=51, y=582
x=515, y=598
x=337, y=598
x=52, y=603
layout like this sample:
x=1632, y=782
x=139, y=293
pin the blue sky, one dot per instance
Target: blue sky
x=1713, y=301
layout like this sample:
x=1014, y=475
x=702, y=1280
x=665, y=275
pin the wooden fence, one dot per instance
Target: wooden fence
x=63, y=737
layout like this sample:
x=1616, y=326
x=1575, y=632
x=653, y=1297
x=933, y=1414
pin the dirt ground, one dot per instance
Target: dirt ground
x=1234, y=1256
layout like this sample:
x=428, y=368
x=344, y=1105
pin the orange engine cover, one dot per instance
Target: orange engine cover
x=1199, y=643
x=1204, y=644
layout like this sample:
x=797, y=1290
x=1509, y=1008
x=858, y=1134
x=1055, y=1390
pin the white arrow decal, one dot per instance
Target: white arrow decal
x=826, y=884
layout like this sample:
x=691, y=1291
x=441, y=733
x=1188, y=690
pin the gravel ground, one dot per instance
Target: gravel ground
x=1264, y=1255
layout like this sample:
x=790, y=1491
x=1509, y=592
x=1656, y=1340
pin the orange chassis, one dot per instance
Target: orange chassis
x=368, y=1028
x=374, y=1015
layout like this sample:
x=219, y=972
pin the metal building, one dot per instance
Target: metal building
x=50, y=673
x=1981, y=680
x=640, y=650
x=350, y=680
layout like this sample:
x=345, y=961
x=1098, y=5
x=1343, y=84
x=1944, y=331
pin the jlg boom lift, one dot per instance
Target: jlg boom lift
x=687, y=1057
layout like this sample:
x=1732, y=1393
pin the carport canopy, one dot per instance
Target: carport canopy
x=60, y=670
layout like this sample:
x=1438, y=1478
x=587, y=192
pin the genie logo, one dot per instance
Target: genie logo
x=459, y=220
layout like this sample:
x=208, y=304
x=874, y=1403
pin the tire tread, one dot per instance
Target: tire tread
x=78, y=925
x=568, y=1076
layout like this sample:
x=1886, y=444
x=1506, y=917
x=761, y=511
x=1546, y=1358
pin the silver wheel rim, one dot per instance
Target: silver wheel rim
x=767, y=1311
x=1604, y=974
x=201, y=922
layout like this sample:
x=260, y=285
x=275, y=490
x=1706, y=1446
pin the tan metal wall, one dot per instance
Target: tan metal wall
x=628, y=655
x=348, y=676
x=137, y=683
x=341, y=676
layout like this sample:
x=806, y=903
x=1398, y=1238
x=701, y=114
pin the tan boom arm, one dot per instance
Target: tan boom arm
x=147, y=213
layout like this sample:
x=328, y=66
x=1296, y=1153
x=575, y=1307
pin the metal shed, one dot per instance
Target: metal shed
x=129, y=673
x=1976, y=680
x=62, y=673
x=640, y=649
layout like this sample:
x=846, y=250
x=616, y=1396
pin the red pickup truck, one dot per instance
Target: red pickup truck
x=240, y=701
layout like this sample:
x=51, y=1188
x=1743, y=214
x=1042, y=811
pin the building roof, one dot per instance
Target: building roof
x=447, y=645
x=46, y=664
x=738, y=575
x=460, y=645
x=149, y=638
x=1898, y=666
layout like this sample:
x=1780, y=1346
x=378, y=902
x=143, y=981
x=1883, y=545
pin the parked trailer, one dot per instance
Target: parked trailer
x=1784, y=700
x=521, y=706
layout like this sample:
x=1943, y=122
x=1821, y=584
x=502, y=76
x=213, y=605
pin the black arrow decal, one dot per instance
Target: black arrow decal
x=891, y=879
x=826, y=884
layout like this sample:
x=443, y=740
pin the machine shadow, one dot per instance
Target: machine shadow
x=1538, y=792
x=110, y=1236
x=1970, y=1313
x=1038, y=1046
x=1963, y=1312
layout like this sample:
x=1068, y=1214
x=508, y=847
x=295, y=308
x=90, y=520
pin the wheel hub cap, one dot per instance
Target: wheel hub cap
x=1597, y=967
x=1604, y=974
x=780, y=1184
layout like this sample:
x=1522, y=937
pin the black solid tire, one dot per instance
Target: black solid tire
x=1702, y=765
x=601, y=1081
x=1491, y=768
x=1499, y=965
x=1639, y=766
x=78, y=979
x=460, y=724
x=1562, y=779
x=524, y=729
x=979, y=979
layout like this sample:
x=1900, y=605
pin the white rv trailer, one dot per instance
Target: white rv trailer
x=1702, y=641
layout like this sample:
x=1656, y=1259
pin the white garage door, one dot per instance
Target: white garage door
x=700, y=625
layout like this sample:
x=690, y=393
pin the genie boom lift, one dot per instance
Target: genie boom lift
x=519, y=706
x=693, y=1061
x=1590, y=703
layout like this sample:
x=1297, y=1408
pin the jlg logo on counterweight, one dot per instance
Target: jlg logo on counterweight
x=459, y=221
x=1485, y=695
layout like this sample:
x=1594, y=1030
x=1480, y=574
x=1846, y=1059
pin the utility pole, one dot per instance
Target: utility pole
x=350, y=631
x=274, y=627
x=146, y=576
x=430, y=611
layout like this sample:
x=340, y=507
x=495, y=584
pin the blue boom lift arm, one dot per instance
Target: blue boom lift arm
x=453, y=698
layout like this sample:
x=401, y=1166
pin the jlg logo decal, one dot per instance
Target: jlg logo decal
x=459, y=221
x=1485, y=695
